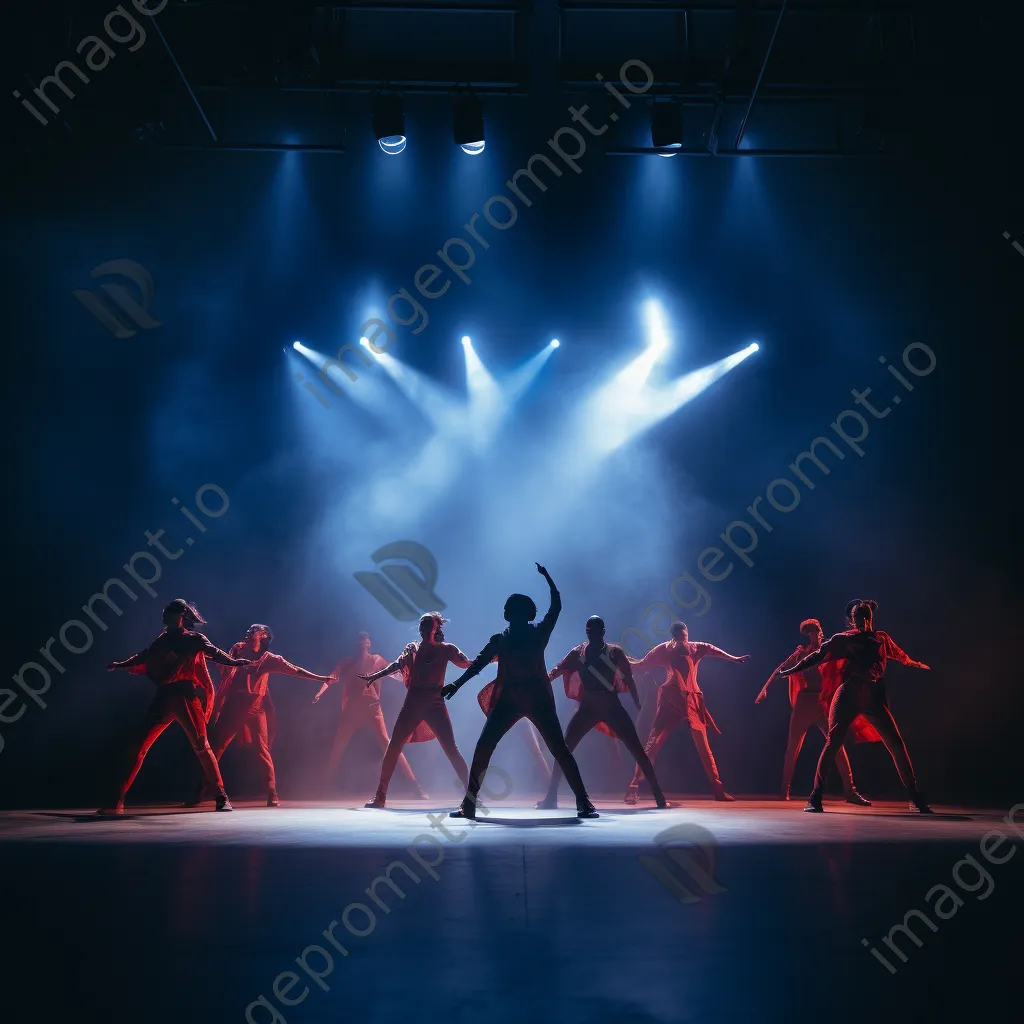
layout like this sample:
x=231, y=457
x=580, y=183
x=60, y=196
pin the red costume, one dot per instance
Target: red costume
x=680, y=700
x=245, y=709
x=423, y=715
x=594, y=674
x=862, y=655
x=176, y=662
x=360, y=708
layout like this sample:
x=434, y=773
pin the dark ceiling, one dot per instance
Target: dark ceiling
x=823, y=77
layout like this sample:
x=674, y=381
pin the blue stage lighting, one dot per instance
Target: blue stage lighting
x=296, y=346
x=555, y=343
x=389, y=123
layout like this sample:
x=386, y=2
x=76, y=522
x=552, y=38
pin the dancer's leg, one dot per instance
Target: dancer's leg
x=503, y=716
x=379, y=730
x=259, y=726
x=844, y=709
x=580, y=724
x=707, y=759
x=190, y=715
x=347, y=728
x=543, y=715
x=805, y=713
x=621, y=724
x=881, y=718
x=405, y=725
x=157, y=719
x=436, y=716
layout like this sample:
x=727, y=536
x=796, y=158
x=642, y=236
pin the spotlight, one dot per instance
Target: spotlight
x=555, y=343
x=389, y=123
x=468, y=124
x=667, y=126
x=755, y=347
x=296, y=345
x=465, y=340
x=365, y=342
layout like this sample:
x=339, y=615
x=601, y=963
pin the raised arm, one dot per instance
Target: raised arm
x=482, y=660
x=547, y=624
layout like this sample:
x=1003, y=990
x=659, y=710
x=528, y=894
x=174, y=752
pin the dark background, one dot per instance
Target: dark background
x=829, y=263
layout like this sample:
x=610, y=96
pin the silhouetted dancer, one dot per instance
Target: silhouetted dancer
x=595, y=673
x=805, y=701
x=525, y=728
x=244, y=708
x=423, y=715
x=176, y=662
x=522, y=690
x=864, y=651
x=680, y=700
x=360, y=707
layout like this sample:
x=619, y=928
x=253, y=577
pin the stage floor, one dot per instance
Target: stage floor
x=750, y=911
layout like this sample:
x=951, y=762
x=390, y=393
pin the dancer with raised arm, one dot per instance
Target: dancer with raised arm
x=244, y=707
x=680, y=700
x=423, y=715
x=360, y=707
x=595, y=673
x=864, y=652
x=805, y=701
x=176, y=662
x=522, y=690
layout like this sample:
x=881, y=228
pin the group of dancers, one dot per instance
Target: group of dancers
x=837, y=685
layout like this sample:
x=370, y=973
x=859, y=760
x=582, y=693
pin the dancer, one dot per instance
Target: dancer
x=360, y=707
x=680, y=700
x=526, y=729
x=864, y=652
x=423, y=715
x=595, y=673
x=244, y=707
x=804, y=699
x=522, y=690
x=176, y=662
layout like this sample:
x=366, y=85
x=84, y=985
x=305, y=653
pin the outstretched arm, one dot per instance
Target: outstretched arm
x=223, y=658
x=894, y=651
x=791, y=660
x=483, y=659
x=282, y=667
x=135, y=659
x=711, y=651
x=812, y=659
x=569, y=664
x=395, y=666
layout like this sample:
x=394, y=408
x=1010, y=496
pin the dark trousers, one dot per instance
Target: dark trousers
x=174, y=704
x=806, y=715
x=532, y=700
x=236, y=715
x=605, y=707
x=427, y=706
x=861, y=698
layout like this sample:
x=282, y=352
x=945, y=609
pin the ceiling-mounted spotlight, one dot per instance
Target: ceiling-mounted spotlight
x=389, y=123
x=667, y=126
x=468, y=123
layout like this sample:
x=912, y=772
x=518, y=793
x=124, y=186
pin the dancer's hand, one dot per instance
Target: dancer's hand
x=369, y=679
x=449, y=690
x=113, y=666
x=920, y=664
x=742, y=658
x=542, y=570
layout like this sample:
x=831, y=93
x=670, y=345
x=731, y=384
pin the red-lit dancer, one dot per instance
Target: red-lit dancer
x=680, y=700
x=805, y=700
x=595, y=673
x=176, y=662
x=423, y=715
x=360, y=708
x=244, y=707
x=522, y=690
x=864, y=651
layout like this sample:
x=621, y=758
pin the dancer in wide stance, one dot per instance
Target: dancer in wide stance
x=360, y=707
x=526, y=729
x=804, y=699
x=680, y=700
x=864, y=651
x=522, y=690
x=176, y=662
x=244, y=707
x=423, y=666
x=595, y=673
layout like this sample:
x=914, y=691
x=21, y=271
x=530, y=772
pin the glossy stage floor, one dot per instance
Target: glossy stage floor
x=752, y=911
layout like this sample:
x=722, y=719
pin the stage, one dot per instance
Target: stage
x=750, y=911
